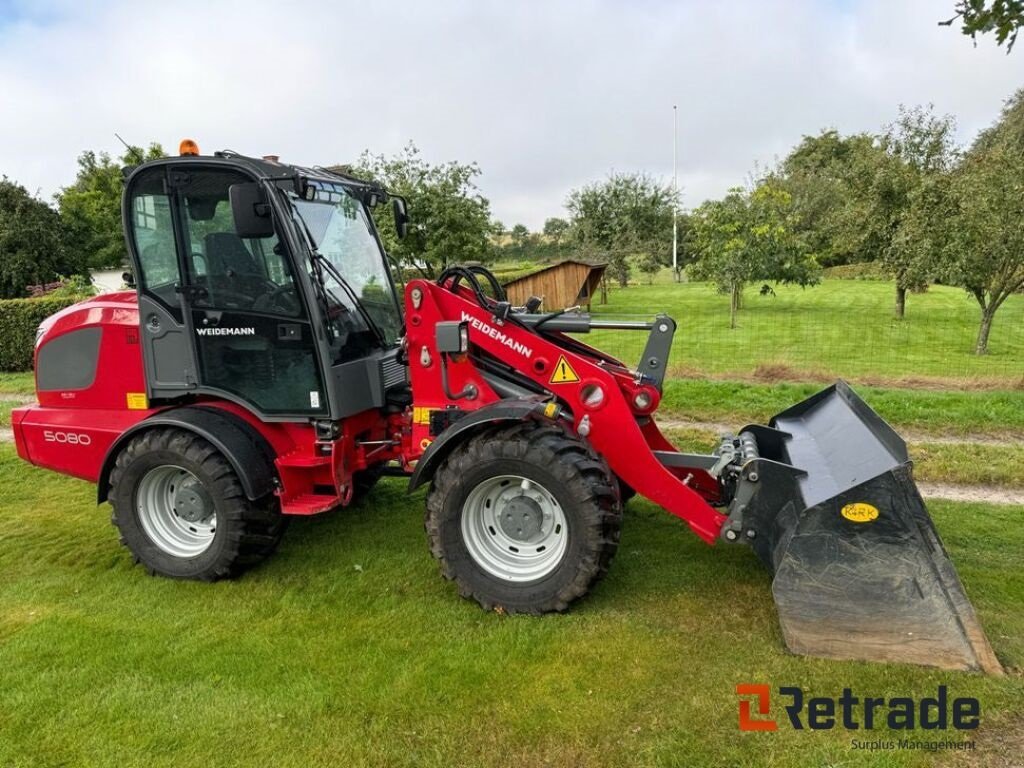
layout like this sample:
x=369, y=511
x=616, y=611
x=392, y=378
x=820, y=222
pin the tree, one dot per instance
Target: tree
x=91, y=207
x=520, y=236
x=449, y=220
x=1004, y=17
x=625, y=216
x=828, y=176
x=983, y=222
x=32, y=243
x=651, y=263
x=918, y=146
x=749, y=236
x=556, y=228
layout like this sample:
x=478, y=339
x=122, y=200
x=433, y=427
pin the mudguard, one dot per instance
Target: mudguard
x=248, y=452
x=510, y=410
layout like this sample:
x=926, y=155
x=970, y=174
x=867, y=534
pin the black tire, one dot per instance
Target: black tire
x=626, y=491
x=578, y=479
x=245, y=532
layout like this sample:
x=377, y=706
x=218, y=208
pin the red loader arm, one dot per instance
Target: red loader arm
x=600, y=395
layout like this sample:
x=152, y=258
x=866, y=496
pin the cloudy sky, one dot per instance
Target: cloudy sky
x=545, y=96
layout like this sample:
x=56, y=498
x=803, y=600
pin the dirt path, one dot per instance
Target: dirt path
x=986, y=493
x=910, y=434
x=12, y=397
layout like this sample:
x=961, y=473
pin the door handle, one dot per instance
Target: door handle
x=212, y=318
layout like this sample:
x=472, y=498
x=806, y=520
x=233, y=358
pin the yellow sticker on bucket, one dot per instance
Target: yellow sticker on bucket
x=860, y=512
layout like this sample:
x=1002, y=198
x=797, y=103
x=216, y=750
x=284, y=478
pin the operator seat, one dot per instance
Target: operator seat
x=232, y=271
x=227, y=255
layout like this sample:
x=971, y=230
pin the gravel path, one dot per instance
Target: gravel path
x=986, y=493
x=11, y=397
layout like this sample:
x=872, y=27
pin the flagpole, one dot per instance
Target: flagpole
x=675, y=193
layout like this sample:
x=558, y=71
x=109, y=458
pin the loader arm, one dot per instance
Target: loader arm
x=597, y=394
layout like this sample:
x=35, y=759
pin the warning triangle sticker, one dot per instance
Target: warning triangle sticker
x=563, y=373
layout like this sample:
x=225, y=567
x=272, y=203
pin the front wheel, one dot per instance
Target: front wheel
x=525, y=518
x=181, y=510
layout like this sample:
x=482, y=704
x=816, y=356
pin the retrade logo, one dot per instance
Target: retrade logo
x=762, y=695
x=938, y=712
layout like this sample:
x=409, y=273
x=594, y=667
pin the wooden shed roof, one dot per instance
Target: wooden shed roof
x=548, y=267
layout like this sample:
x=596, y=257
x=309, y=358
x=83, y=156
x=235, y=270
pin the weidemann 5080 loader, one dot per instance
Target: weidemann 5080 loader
x=265, y=368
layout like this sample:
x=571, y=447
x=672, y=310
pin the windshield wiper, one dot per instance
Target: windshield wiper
x=374, y=328
x=324, y=262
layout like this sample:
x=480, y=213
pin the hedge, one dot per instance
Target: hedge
x=865, y=270
x=19, y=319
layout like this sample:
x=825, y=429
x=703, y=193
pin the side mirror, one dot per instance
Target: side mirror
x=251, y=210
x=401, y=216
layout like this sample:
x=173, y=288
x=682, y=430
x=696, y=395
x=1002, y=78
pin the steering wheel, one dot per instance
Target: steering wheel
x=233, y=299
x=281, y=297
x=241, y=291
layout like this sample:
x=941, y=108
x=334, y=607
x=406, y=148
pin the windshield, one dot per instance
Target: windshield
x=344, y=236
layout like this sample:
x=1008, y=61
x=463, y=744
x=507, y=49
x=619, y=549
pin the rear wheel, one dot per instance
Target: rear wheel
x=525, y=519
x=181, y=510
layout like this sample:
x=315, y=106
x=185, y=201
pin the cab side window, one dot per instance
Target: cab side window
x=250, y=275
x=151, y=225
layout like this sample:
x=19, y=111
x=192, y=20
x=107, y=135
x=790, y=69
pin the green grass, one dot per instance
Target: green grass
x=5, y=412
x=839, y=328
x=957, y=463
x=17, y=383
x=969, y=463
x=347, y=648
x=936, y=412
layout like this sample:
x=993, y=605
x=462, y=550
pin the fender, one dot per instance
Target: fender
x=511, y=410
x=249, y=453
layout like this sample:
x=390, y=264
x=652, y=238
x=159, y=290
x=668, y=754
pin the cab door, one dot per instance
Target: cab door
x=167, y=350
x=250, y=325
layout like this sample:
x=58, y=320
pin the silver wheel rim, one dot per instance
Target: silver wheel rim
x=514, y=528
x=176, y=511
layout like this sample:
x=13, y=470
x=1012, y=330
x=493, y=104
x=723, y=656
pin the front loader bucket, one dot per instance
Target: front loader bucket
x=827, y=500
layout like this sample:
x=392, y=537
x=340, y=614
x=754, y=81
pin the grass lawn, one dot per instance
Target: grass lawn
x=839, y=328
x=17, y=383
x=347, y=648
x=940, y=413
x=6, y=406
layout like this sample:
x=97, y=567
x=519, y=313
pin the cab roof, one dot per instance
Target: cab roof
x=262, y=168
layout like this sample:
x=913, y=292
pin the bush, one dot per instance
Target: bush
x=74, y=287
x=19, y=319
x=866, y=270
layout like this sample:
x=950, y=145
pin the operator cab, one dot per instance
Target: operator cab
x=263, y=283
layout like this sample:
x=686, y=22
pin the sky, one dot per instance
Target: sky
x=544, y=96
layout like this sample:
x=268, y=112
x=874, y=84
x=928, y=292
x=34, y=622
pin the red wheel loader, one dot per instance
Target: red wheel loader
x=264, y=367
